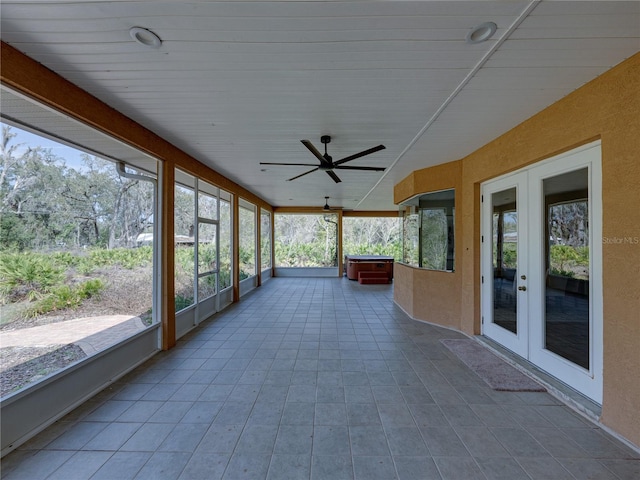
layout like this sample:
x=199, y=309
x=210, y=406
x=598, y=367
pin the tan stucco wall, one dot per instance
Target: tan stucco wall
x=403, y=287
x=432, y=295
x=608, y=108
x=428, y=292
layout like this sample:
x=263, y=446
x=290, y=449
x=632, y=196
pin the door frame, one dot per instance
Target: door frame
x=586, y=381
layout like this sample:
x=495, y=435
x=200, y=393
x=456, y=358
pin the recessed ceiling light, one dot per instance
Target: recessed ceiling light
x=481, y=33
x=145, y=37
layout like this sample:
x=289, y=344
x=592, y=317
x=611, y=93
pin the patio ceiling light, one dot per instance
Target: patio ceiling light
x=481, y=33
x=145, y=37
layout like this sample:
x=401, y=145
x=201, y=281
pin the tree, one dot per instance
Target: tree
x=305, y=240
x=569, y=223
x=85, y=195
x=8, y=163
x=372, y=235
x=30, y=187
x=434, y=239
x=44, y=204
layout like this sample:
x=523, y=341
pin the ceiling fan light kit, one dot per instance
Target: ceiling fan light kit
x=326, y=161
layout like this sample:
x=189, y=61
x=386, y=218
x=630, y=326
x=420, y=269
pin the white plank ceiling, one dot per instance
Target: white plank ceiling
x=238, y=83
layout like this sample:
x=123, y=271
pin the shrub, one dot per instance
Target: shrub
x=65, y=296
x=91, y=288
x=563, y=273
x=24, y=273
x=128, y=258
x=563, y=256
x=66, y=259
x=183, y=302
x=583, y=256
x=389, y=250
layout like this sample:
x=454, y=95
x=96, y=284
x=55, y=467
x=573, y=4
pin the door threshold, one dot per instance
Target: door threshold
x=567, y=395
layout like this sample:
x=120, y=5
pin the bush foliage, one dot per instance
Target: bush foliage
x=53, y=281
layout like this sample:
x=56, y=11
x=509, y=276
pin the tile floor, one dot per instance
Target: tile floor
x=317, y=379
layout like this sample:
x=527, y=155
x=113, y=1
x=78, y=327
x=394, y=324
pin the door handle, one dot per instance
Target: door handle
x=522, y=288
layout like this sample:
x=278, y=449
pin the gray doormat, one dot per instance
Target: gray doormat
x=497, y=373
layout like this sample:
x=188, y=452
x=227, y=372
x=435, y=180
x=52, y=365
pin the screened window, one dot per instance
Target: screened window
x=265, y=239
x=76, y=245
x=306, y=240
x=372, y=236
x=184, y=229
x=428, y=231
x=247, y=245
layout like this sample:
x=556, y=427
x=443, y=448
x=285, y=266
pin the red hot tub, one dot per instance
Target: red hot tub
x=368, y=263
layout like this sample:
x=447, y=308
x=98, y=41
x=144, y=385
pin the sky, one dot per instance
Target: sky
x=72, y=157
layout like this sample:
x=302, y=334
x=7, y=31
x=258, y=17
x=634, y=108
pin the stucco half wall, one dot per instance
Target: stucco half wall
x=607, y=108
x=429, y=294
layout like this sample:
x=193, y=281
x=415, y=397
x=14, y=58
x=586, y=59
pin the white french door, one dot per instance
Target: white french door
x=505, y=265
x=542, y=266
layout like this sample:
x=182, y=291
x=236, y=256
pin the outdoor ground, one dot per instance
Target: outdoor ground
x=127, y=292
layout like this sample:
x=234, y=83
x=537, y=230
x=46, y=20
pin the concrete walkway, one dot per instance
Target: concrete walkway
x=92, y=334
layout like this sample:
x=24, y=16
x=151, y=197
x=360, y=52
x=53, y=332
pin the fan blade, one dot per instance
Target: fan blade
x=372, y=169
x=303, y=174
x=358, y=155
x=291, y=164
x=334, y=176
x=314, y=150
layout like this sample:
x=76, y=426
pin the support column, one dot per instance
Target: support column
x=339, y=243
x=167, y=248
x=235, y=247
x=273, y=243
x=258, y=241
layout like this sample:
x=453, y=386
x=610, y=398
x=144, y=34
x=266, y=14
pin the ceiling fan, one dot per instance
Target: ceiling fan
x=326, y=162
x=326, y=207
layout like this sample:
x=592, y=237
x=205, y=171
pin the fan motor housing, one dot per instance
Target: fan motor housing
x=329, y=165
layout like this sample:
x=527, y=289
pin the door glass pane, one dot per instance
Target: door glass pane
x=207, y=206
x=504, y=249
x=207, y=248
x=567, y=266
